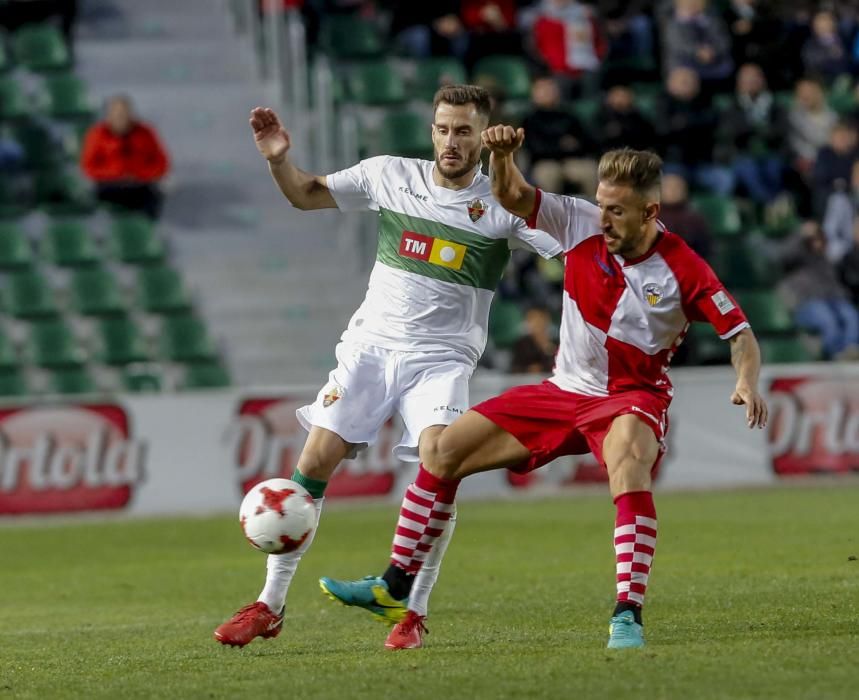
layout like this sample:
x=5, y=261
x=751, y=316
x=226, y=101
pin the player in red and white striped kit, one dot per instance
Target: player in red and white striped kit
x=630, y=291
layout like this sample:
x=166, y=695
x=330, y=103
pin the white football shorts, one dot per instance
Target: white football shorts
x=371, y=384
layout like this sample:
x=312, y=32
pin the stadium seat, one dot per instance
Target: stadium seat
x=96, y=292
x=8, y=357
x=134, y=241
x=185, y=339
x=508, y=75
x=139, y=378
x=63, y=192
x=586, y=110
x=721, y=213
x=707, y=348
x=53, y=344
x=774, y=350
x=348, y=36
x=5, y=59
x=40, y=47
x=68, y=243
x=41, y=144
x=13, y=382
x=505, y=323
x=28, y=295
x=15, y=252
x=648, y=105
x=432, y=73
x=162, y=291
x=121, y=341
x=406, y=134
x=73, y=380
x=67, y=97
x=209, y=375
x=739, y=266
x=13, y=102
x=375, y=83
x=14, y=197
x=765, y=311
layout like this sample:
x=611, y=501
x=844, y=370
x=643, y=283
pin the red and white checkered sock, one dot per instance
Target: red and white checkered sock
x=427, y=507
x=634, y=544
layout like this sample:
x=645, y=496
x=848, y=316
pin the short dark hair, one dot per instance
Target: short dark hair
x=640, y=170
x=463, y=95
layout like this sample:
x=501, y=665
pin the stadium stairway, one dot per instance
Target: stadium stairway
x=276, y=285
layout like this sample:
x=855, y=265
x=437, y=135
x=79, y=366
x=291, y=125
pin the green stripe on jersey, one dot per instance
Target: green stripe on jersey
x=483, y=264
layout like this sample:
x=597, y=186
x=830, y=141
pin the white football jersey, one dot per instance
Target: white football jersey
x=441, y=255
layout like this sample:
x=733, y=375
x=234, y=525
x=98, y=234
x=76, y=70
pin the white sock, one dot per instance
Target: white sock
x=280, y=568
x=428, y=575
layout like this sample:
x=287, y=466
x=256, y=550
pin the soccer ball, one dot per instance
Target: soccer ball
x=277, y=516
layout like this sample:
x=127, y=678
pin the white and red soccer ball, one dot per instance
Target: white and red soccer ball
x=277, y=516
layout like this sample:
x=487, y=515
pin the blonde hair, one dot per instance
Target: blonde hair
x=640, y=170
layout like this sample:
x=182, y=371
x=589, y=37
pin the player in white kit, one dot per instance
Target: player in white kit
x=412, y=345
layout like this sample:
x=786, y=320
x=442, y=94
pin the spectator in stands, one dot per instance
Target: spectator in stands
x=125, y=159
x=833, y=169
x=491, y=27
x=810, y=121
x=567, y=38
x=686, y=125
x=535, y=351
x=812, y=290
x=839, y=221
x=423, y=29
x=620, y=123
x=848, y=269
x=694, y=38
x=757, y=35
x=560, y=151
x=680, y=218
x=629, y=34
x=754, y=125
x=824, y=52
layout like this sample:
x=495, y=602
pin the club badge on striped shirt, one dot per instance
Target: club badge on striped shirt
x=476, y=209
x=652, y=293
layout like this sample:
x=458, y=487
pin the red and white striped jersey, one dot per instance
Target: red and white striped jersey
x=624, y=319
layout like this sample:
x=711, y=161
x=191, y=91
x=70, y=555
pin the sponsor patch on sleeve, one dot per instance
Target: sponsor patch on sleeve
x=722, y=302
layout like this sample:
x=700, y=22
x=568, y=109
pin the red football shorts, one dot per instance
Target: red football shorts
x=552, y=422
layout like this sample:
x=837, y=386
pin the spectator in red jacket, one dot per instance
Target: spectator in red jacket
x=125, y=159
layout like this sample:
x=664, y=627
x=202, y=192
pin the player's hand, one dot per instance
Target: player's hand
x=502, y=139
x=271, y=138
x=756, y=407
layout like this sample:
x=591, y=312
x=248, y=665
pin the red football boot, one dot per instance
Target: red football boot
x=254, y=620
x=407, y=634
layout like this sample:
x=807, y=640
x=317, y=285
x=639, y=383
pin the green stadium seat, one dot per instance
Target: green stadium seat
x=15, y=253
x=648, y=105
x=40, y=47
x=186, y=339
x=13, y=382
x=134, y=241
x=706, y=347
x=774, y=350
x=96, y=292
x=8, y=356
x=375, y=83
x=586, y=110
x=741, y=267
x=13, y=102
x=63, y=192
x=721, y=213
x=209, y=375
x=14, y=197
x=28, y=295
x=53, y=344
x=765, y=312
x=73, y=380
x=432, y=73
x=121, y=341
x=67, y=97
x=5, y=58
x=505, y=323
x=41, y=146
x=69, y=243
x=509, y=75
x=140, y=378
x=406, y=134
x=347, y=36
x=162, y=291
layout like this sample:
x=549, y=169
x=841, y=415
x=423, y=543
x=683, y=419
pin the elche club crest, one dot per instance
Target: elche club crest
x=476, y=209
x=332, y=395
x=652, y=293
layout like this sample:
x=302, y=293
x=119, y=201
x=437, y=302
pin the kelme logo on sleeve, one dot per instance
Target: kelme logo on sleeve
x=432, y=250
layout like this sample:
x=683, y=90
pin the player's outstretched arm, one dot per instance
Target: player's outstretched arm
x=303, y=190
x=746, y=358
x=509, y=186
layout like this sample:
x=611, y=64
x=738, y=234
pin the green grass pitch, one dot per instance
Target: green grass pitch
x=754, y=594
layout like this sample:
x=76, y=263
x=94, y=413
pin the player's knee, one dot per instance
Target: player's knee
x=440, y=456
